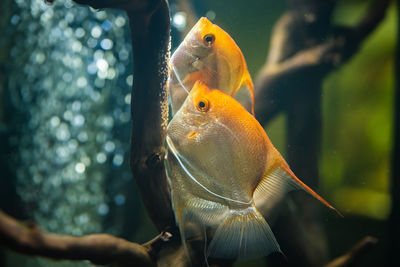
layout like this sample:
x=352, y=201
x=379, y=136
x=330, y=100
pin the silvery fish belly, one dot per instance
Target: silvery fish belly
x=222, y=168
x=195, y=210
x=210, y=55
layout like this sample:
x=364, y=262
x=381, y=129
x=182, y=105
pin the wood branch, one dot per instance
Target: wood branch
x=149, y=110
x=100, y=249
x=281, y=40
x=355, y=254
x=271, y=83
x=274, y=82
x=291, y=81
x=133, y=6
x=374, y=15
x=157, y=243
x=150, y=26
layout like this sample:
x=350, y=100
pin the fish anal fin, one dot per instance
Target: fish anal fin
x=243, y=234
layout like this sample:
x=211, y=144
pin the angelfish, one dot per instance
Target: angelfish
x=220, y=163
x=208, y=54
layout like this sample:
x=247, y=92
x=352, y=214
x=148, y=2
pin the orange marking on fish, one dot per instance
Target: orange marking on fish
x=192, y=134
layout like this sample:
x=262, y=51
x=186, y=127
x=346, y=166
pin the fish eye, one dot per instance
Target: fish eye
x=209, y=39
x=203, y=105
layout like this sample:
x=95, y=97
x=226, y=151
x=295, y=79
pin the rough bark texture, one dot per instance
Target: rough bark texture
x=149, y=110
x=286, y=64
x=353, y=256
x=100, y=249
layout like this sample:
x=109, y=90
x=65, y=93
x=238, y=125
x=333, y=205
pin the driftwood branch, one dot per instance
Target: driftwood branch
x=133, y=6
x=103, y=249
x=304, y=48
x=272, y=81
x=100, y=249
x=150, y=36
x=149, y=22
x=355, y=254
x=149, y=110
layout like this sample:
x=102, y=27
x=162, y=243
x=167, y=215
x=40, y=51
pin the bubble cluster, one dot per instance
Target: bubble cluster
x=70, y=78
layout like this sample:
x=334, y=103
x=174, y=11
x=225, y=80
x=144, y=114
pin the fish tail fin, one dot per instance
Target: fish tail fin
x=243, y=234
x=277, y=183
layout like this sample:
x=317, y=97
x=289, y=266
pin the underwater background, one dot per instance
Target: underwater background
x=65, y=80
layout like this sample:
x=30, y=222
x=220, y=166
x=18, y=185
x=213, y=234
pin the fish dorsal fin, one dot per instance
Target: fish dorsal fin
x=245, y=94
x=247, y=84
x=276, y=183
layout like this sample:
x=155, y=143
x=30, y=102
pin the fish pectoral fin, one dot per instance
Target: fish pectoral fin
x=276, y=184
x=243, y=234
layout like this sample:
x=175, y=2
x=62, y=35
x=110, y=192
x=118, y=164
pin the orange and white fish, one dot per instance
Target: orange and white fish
x=210, y=55
x=220, y=161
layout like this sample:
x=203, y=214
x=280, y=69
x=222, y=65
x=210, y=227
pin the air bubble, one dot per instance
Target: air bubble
x=80, y=167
